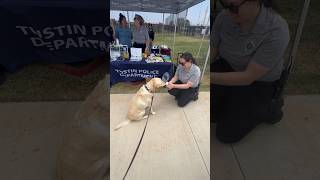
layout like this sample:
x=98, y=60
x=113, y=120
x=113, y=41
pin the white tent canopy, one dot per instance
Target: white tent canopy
x=163, y=6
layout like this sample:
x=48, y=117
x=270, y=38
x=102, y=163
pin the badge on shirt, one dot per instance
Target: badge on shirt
x=249, y=46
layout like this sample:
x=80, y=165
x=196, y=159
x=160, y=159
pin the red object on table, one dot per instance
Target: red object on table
x=165, y=51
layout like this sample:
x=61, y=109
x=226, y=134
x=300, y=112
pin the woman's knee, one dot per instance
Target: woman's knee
x=182, y=102
x=232, y=132
x=170, y=91
x=228, y=137
x=173, y=92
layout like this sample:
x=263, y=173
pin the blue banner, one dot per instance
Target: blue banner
x=126, y=71
x=52, y=31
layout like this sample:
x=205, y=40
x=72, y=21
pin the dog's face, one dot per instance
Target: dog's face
x=155, y=83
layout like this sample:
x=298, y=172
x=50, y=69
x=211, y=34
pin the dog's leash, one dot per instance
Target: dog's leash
x=136, y=151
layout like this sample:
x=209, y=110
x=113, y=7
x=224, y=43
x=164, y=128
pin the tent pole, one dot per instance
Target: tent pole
x=205, y=16
x=298, y=34
x=207, y=58
x=205, y=64
x=175, y=31
x=128, y=18
x=198, y=53
x=202, y=40
x=198, y=24
x=162, y=24
x=185, y=20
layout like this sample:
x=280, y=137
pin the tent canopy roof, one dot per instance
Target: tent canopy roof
x=157, y=6
x=76, y=4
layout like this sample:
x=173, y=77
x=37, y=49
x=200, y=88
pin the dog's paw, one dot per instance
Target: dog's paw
x=153, y=113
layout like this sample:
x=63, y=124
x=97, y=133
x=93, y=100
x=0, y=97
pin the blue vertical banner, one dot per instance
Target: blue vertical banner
x=52, y=31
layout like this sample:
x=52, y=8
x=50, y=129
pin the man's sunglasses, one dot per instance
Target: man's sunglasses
x=231, y=7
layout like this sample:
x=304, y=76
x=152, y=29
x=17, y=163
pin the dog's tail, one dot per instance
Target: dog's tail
x=124, y=123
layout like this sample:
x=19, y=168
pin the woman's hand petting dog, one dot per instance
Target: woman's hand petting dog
x=170, y=86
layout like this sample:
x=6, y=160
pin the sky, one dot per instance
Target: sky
x=195, y=14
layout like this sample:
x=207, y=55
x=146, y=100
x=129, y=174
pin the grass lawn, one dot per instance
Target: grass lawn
x=41, y=83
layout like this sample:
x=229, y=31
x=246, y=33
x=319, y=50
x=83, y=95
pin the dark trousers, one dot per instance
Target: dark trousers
x=184, y=96
x=137, y=45
x=237, y=110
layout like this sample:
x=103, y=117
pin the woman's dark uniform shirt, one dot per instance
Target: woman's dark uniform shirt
x=265, y=44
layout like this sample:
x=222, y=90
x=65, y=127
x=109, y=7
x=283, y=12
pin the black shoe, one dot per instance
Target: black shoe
x=276, y=112
x=196, y=97
x=277, y=118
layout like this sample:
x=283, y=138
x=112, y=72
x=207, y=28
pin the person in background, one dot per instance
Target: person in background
x=111, y=31
x=151, y=34
x=141, y=37
x=185, y=83
x=123, y=32
x=249, y=42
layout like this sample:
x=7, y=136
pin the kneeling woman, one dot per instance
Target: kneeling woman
x=250, y=39
x=185, y=83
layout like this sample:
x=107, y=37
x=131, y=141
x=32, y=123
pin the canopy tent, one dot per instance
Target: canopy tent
x=51, y=31
x=77, y=4
x=164, y=6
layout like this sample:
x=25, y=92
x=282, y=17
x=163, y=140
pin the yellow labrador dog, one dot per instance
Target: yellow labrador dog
x=140, y=104
x=84, y=154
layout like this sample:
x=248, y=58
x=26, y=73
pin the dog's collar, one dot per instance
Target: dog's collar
x=145, y=86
